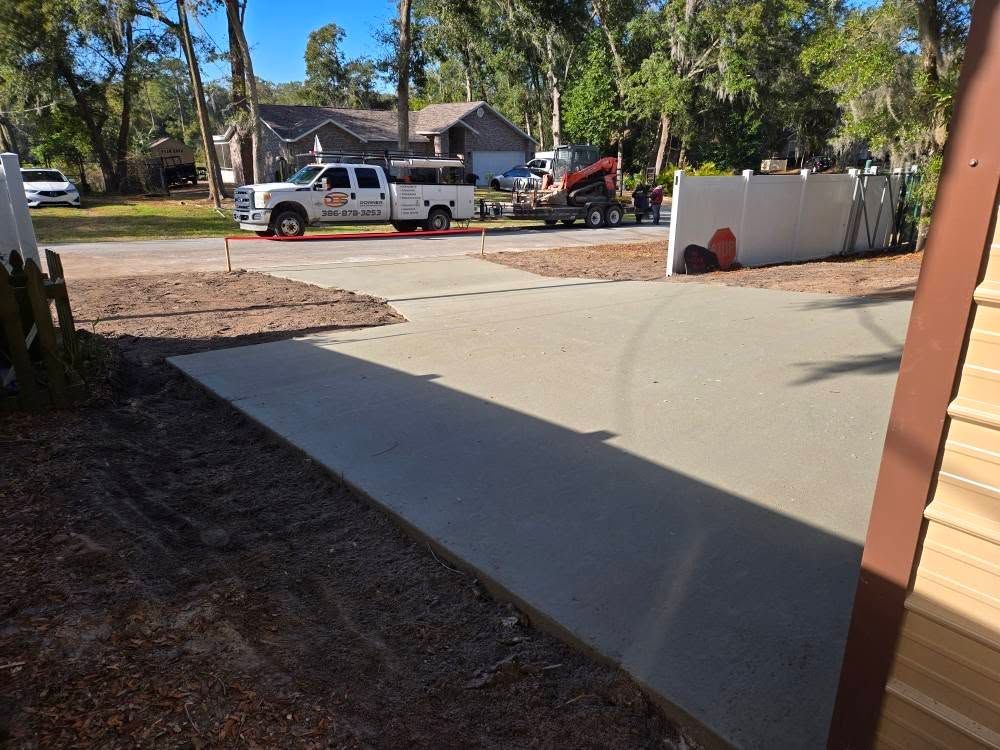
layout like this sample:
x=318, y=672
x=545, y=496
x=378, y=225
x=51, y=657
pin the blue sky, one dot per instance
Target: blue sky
x=277, y=31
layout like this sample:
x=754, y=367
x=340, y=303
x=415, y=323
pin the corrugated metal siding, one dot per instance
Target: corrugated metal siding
x=944, y=688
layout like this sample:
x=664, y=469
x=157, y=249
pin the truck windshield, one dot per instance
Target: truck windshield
x=306, y=175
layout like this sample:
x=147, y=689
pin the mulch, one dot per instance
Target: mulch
x=891, y=275
x=174, y=576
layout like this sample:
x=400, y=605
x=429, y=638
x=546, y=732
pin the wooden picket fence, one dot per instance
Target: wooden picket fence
x=41, y=366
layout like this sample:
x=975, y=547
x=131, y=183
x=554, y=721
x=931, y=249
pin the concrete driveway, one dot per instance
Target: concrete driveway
x=135, y=257
x=677, y=476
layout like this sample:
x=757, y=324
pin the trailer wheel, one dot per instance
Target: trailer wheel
x=289, y=223
x=438, y=220
x=594, y=217
x=569, y=222
x=613, y=216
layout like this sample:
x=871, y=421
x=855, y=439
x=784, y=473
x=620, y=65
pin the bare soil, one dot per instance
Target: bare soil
x=891, y=275
x=174, y=576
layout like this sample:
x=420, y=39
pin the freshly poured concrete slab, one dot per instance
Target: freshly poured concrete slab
x=677, y=475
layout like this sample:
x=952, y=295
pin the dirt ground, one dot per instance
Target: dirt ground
x=879, y=274
x=174, y=576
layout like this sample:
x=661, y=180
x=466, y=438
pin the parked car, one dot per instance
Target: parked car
x=520, y=177
x=820, y=163
x=49, y=187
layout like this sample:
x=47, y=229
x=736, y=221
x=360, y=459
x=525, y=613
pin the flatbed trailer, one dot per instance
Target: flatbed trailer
x=597, y=213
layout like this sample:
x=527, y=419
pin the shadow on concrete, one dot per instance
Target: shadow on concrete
x=733, y=613
x=871, y=364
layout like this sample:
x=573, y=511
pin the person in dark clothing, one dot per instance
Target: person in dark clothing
x=656, y=201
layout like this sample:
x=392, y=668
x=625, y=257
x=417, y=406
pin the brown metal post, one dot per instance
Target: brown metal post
x=959, y=240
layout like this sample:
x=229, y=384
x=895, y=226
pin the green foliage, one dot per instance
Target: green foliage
x=332, y=82
x=872, y=61
x=922, y=196
x=590, y=113
x=709, y=169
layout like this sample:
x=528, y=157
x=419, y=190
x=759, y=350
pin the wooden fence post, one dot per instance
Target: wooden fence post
x=57, y=292
x=46, y=333
x=30, y=394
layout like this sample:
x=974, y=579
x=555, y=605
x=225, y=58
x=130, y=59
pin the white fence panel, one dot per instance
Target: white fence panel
x=16, y=229
x=704, y=202
x=825, y=215
x=783, y=218
x=764, y=230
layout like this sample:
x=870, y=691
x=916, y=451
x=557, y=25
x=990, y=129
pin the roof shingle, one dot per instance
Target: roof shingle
x=292, y=121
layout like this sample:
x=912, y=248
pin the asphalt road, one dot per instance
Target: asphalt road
x=136, y=257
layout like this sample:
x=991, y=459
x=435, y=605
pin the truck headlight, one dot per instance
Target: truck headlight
x=260, y=200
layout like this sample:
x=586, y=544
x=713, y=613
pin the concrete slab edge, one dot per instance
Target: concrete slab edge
x=691, y=728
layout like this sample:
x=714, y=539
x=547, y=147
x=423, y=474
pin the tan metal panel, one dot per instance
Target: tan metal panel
x=967, y=496
x=910, y=716
x=967, y=429
x=966, y=649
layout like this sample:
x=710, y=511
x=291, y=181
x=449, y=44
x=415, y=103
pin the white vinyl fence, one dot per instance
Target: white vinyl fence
x=785, y=218
x=16, y=230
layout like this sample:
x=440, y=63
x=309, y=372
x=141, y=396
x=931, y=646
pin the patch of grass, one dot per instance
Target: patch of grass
x=186, y=214
x=109, y=218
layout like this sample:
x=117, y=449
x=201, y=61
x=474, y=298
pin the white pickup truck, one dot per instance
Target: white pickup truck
x=411, y=193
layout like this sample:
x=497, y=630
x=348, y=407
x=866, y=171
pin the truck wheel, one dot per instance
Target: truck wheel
x=289, y=224
x=405, y=226
x=438, y=220
x=569, y=222
x=594, y=217
x=613, y=216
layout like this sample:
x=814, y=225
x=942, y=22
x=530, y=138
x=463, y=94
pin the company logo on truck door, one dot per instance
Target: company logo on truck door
x=335, y=200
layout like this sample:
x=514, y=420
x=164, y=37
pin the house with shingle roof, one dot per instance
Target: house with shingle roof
x=488, y=141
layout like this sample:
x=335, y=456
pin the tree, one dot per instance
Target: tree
x=894, y=70
x=403, y=75
x=333, y=82
x=183, y=31
x=234, y=16
x=591, y=113
x=240, y=145
x=90, y=49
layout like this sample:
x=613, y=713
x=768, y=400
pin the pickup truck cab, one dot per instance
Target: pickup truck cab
x=410, y=193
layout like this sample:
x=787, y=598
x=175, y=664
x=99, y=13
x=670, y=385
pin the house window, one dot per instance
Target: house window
x=367, y=178
x=225, y=155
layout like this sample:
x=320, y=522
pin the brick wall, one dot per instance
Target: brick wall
x=493, y=134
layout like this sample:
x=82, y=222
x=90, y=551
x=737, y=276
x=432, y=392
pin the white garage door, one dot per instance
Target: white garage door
x=489, y=163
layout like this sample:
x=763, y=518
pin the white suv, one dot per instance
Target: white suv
x=49, y=187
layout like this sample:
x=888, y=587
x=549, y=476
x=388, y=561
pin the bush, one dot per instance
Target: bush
x=710, y=169
x=924, y=192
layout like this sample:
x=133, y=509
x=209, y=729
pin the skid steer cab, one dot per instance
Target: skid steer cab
x=409, y=192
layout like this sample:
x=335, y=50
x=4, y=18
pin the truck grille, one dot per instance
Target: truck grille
x=243, y=198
